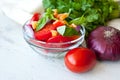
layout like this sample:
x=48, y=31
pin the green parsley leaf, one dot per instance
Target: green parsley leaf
x=92, y=17
x=78, y=21
x=90, y=13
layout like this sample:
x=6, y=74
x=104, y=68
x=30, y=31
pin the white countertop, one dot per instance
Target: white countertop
x=19, y=62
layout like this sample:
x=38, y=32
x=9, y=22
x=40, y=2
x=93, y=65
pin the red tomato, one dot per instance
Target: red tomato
x=80, y=60
x=43, y=35
x=74, y=37
x=57, y=23
x=35, y=17
x=58, y=39
x=48, y=26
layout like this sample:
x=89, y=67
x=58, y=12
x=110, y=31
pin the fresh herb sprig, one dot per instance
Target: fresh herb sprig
x=90, y=13
x=44, y=19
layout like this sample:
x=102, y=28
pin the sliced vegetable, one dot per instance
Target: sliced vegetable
x=78, y=28
x=67, y=31
x=74, y=37
x=43, y=35
x=35, y=17
x=61, y=29
x=54, y=33
x=41, y=23
x=62, y=16
x=58, y=39
x=57, y=23
x=29, y=31
x=53, y=25
x=105, y=41
x=48, y=15
x=34, y=24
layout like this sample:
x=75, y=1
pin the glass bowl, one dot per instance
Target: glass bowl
x=51, y=49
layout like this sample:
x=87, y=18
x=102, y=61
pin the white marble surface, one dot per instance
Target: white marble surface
x=22, y=10
x=19, y=62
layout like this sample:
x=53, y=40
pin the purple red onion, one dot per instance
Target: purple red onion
x=29, y=31
x=78, y=28
x=105, y=41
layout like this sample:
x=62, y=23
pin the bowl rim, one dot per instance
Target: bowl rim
x=82, y=31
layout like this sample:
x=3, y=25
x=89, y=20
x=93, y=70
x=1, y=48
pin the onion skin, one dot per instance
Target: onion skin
x=78, y=28
x=105, y=41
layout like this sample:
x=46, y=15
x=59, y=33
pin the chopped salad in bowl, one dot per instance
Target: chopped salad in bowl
x=51, y=34
x=64, y=25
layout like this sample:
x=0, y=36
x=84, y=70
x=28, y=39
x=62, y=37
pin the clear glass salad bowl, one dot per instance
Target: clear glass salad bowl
x=51, y=49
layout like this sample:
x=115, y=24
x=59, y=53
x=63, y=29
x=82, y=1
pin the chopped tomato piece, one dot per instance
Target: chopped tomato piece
x=35, y=17
x=74, y=37
x=58, y=39
x=57, y=23
x=43, y=35
x=48, y=26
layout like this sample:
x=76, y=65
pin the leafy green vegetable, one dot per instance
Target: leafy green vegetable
x=48, y=15
x=78, y=20
x=67, y=31
x=90, y=13
x=41, y=23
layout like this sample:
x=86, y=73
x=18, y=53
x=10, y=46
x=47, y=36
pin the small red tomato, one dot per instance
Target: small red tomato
x=80, y=60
